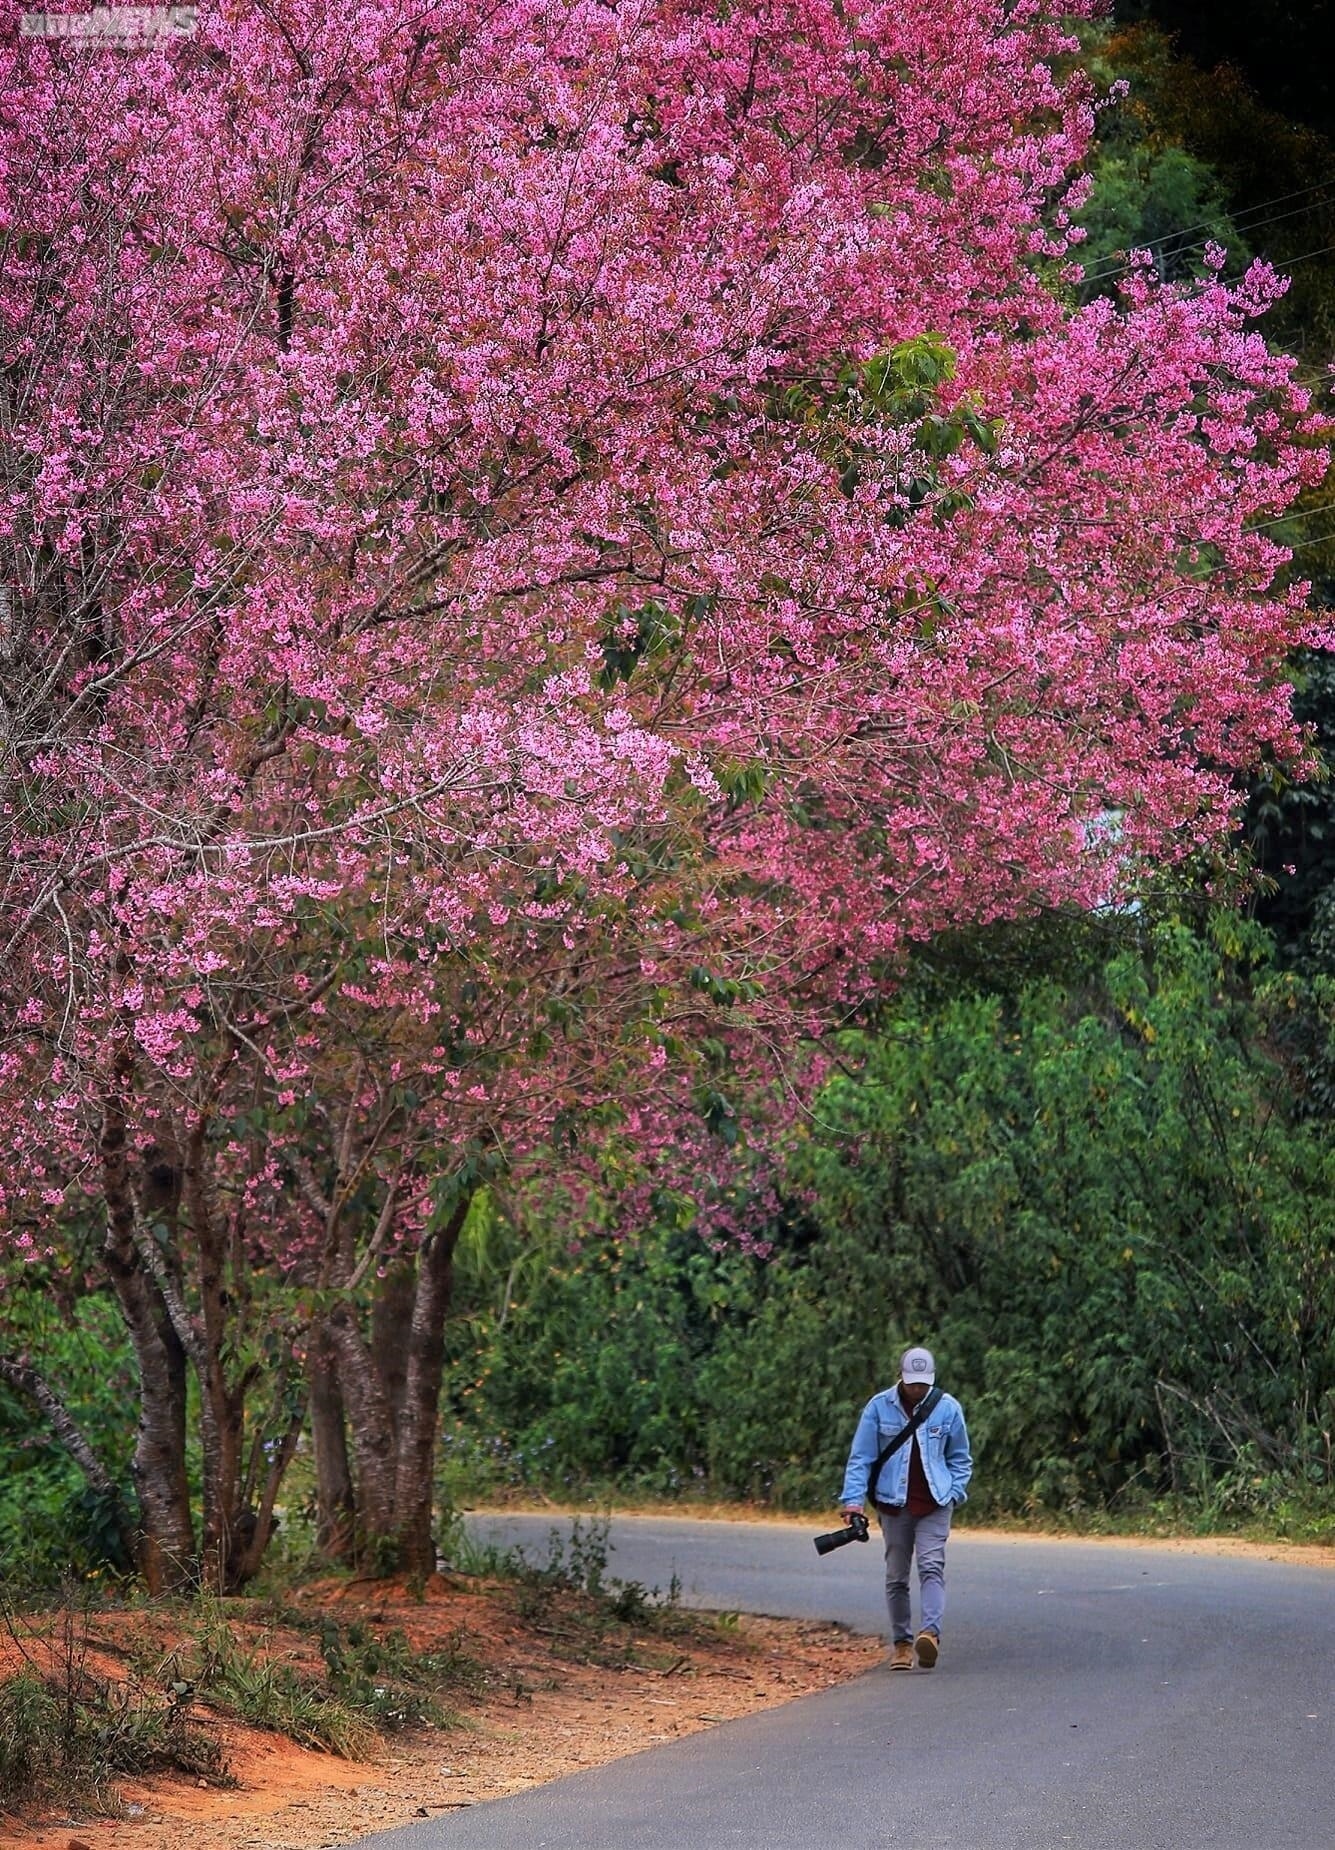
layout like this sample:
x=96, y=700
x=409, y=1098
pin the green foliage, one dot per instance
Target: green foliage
x=900, y=387
x=1149, y=192
x=66, y=1732
x=589, y=1369
x=1290, y=827
x=384, y=1679
x=268, y=1693
x=1290, y=833
x=634, y=636
x=29, y=1726
x=1212, y=159
x=590, y=1616
x=1094, y=1199
x=52, y=1525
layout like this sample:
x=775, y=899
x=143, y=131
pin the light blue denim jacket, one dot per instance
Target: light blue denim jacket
x=943, y=1443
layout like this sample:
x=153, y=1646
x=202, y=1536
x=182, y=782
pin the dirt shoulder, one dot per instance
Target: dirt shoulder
x=1296, y=1554
x=552, y=1694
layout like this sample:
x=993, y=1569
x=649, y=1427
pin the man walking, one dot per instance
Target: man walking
x=917, y=1436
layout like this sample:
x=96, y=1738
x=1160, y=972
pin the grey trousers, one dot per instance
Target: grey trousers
x=926, y=1536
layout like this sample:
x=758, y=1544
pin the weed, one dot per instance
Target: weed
x=271, y=1694
x=585, y=1566
x=389, y=1682
x=588, y=1614
x=629, y=1602
x=65, y=1731
x=465, y=1554
x=30, y=1722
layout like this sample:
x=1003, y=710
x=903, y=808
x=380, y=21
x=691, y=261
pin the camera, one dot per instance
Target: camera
x=857, y=1531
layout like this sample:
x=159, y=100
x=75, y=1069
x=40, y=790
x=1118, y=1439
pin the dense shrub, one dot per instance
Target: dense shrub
x=52, y=1523
x=1093, y=1199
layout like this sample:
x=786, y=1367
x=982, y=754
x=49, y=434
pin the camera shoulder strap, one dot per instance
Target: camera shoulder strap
x=926, y=1407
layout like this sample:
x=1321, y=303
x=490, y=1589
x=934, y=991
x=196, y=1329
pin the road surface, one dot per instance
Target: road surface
x=1089, y=1697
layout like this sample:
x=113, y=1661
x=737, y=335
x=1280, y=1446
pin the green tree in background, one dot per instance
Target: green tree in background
x=1093, y=1200
x=56, y=1518
x=1150, y=192
x=1194, y=153
x=1280, y=47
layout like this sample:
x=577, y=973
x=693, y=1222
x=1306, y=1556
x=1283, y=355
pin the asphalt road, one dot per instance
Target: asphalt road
x=1089, y=1697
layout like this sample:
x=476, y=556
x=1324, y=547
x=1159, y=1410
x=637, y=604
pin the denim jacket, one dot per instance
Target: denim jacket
x=943, y=1443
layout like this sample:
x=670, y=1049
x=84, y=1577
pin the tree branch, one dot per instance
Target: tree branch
x=25, y=1380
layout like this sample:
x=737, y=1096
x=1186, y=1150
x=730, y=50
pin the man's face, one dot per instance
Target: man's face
x=914, y=1391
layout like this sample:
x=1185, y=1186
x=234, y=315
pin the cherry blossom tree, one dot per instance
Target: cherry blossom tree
x=543, y=545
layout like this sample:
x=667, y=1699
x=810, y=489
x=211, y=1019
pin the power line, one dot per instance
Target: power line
x=1110, y=267
x=1321, y=539
x=1245, y=224
x=1101, y=274
x=1262, y=205
x=1247, y=219
x=1301, y=513
x=1306, y=257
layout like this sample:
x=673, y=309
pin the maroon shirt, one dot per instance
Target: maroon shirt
x=920, y=1501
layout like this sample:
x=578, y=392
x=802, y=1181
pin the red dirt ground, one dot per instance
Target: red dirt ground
x=538, y=1714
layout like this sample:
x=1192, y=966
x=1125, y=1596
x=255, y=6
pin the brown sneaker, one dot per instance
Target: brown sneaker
x=929, y=1649
x=901, y=1657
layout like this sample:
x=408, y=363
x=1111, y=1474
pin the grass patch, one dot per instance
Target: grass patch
x=370, y=1682
x=107, y=1687
x=395, y=1686
x=67, y=1731
x=102, y=1691
x=586, y=1615
x=267, y=1692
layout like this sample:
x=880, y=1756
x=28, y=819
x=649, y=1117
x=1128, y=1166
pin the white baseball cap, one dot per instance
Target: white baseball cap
x=917, y=1365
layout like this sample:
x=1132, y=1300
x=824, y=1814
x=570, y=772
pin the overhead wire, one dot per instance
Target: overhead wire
x=1307, y=256
x=1098, y=272
x=1319, y=539
x=1302, y=513
x=1245, y=223
x=1261, y=205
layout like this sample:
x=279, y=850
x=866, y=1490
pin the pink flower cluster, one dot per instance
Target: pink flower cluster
x=508, y=615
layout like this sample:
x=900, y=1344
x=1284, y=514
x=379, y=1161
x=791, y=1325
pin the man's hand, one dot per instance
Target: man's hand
x=854, y=1518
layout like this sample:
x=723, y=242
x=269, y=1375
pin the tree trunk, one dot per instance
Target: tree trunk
x=26, y=1380
x=414, y=1476
x=166, y=1550
x=227, y=1527
x=371, y=1429
x=253, y=1531
x=335, y=1504
x=391, y=1322
x=395, y=1456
